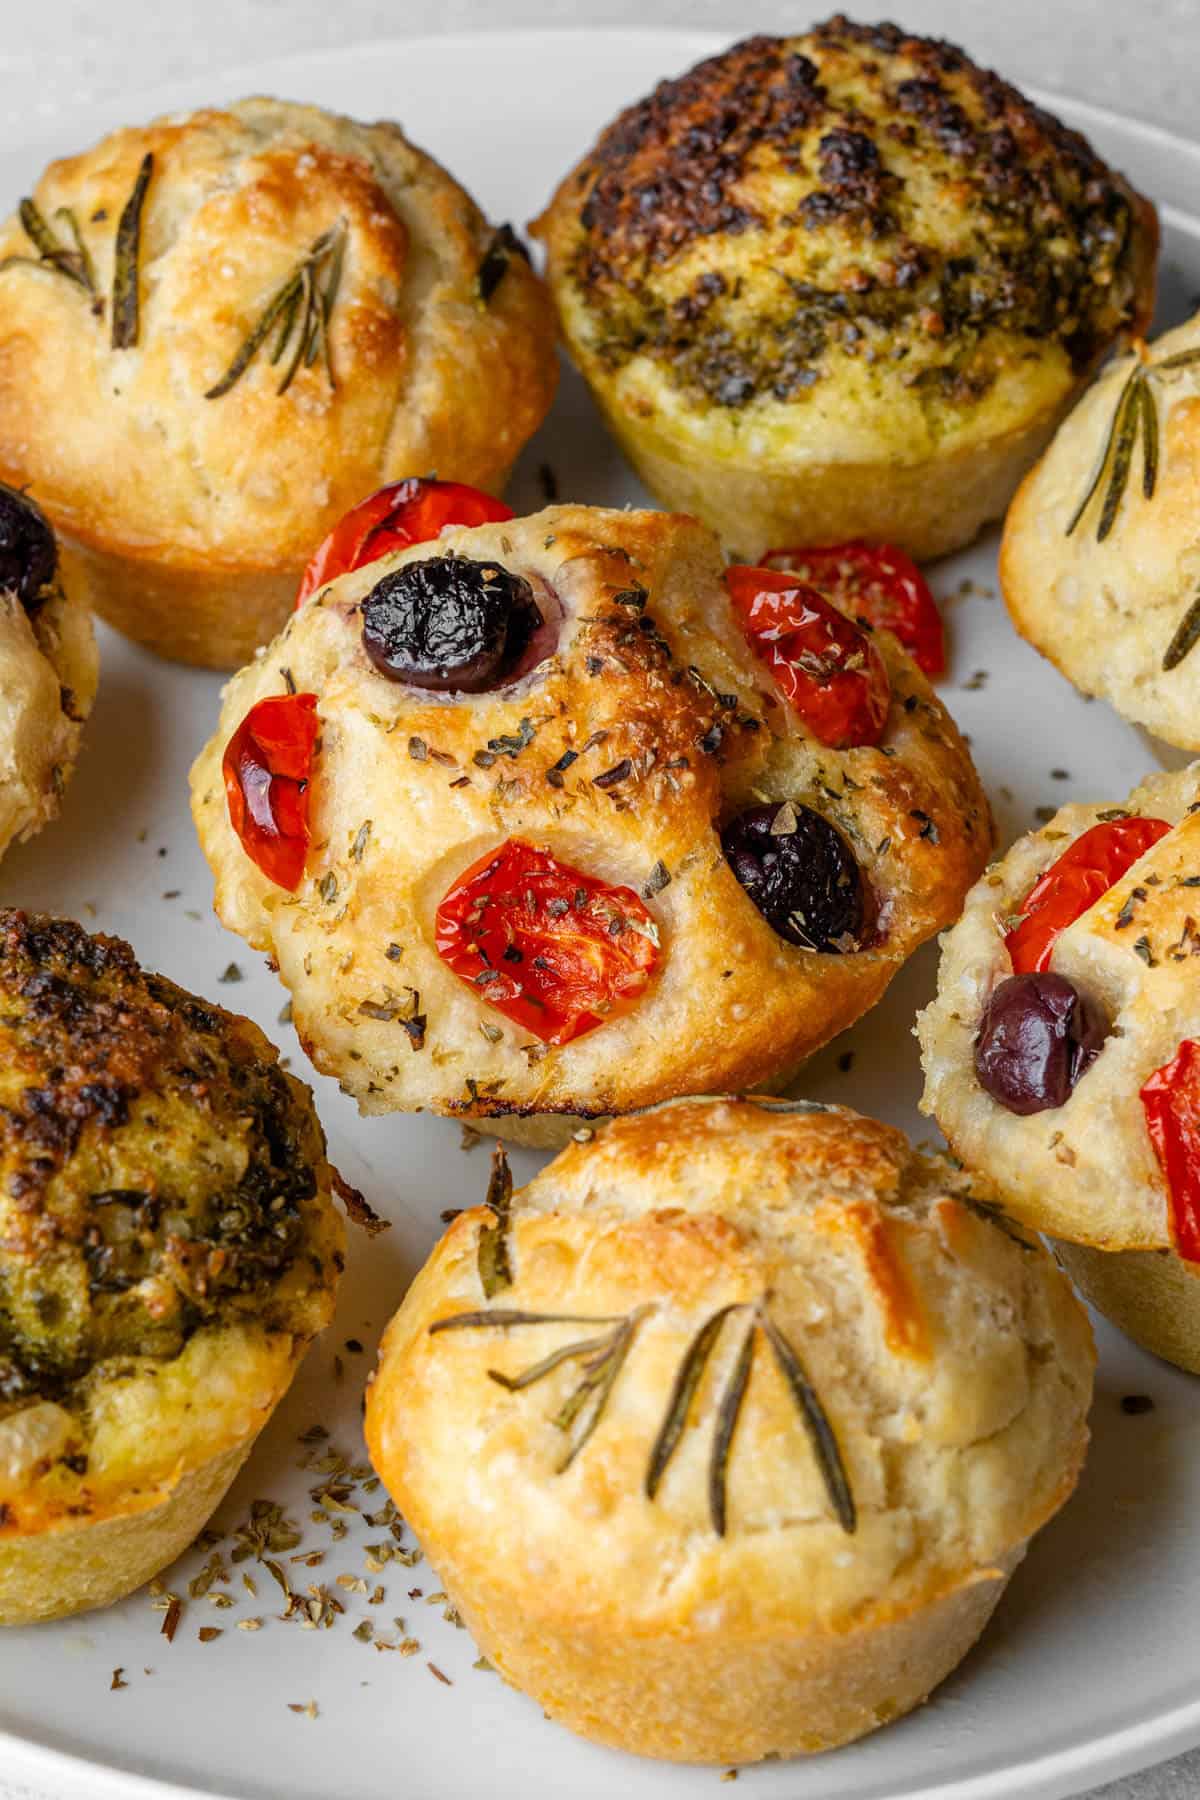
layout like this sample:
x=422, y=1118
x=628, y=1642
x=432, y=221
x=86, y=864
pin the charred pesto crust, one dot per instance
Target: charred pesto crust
x=855, y=192
x=159, y=1172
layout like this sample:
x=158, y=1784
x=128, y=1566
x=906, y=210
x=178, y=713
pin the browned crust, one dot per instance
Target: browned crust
x=129, y=450
x=749, y=1641
x=823, y=151
x=692, y=751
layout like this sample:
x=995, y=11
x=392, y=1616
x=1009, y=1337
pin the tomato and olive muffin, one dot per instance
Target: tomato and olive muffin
x=556, y=817
x=169, y=1248
x=48, y=671
x=1062, y=1054
x=725, y=1433
x=222, y=329
x=1100, y=563
x=842, y=284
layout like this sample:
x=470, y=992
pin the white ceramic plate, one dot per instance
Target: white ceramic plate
x=1092, y=1666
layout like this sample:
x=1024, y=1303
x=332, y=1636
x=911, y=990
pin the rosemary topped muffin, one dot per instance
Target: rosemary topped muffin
x=1100, y=563
x=169, y=1247
x=725, y=1433
x=220, y=330
x=842, y=285
x=558, y=816
x=48, y=670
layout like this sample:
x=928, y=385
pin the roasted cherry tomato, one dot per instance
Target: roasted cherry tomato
x=1075, y=882
x=407, y=512
x=553, y=949
x=1171, y=1103
x=267, y=764
x=829, y=670
x=878, y=583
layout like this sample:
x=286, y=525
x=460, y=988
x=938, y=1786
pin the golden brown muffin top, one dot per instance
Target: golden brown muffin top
x=853, y=192
x=220, y=330
x=625, y=753
x=159, y=1171
x=739, y=1365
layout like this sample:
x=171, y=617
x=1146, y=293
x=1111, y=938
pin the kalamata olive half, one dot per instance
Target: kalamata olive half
x=801, y=874
x=28, y=553
x=449, y=623
x=1038, y=1035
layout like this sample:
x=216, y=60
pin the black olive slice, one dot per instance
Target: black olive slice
x=801, y=874
x=28, y=554
x=1037, y=1037
x=449, y=623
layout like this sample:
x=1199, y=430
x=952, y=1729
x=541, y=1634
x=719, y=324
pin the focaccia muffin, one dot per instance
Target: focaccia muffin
x=533, y=833
x=48, y=670
x=169, y=1247
x=1100, y=564
x=842, y=284
x=220, y=330
x=726, y=1433
x=1062, y=1054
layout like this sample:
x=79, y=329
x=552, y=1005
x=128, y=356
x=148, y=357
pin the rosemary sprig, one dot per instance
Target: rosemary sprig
x=602, y=1372
x=728, y=1413
x=301, y=308
x=74, y=264
x=495, y=1271
x=603, y=1357
x=992, y=1214
x=1148, y=417
x=1187, y=635
x=816, y=1423
x=1135, y=415
x=527, y=1377
x=127, y=259
x=506, y=1316
x=691, y=1370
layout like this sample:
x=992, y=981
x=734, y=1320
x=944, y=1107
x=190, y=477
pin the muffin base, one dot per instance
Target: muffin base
x=206, y=617
x=1153, y=1296
x=78, y=1567
x=713, y=1699
x=928, y=509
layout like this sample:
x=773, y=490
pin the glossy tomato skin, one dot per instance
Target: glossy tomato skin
x=827, y=667
x=877, y=583
x=554, y=949
x=407, y=512
x=1171, y=1103
x=1080, y=877
x=267, y=765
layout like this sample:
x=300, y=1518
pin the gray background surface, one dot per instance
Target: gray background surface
x=1141, y=58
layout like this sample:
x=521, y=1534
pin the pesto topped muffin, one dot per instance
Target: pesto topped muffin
x=842, y=284
x=168, y=1247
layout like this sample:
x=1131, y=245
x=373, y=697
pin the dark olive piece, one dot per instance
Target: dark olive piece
x=28, y=554
x=800, y=873
x=449, y=623
x=1037, y=1037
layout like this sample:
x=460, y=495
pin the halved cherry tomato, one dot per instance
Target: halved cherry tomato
x=1171, y=1103
x=555, y=950
x=1075, y=882
x=407, y=512
x=829, y=669
x=878, y=583
x=267, y=764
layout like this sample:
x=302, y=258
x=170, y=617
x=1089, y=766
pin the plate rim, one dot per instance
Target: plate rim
x=1056, y=1774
